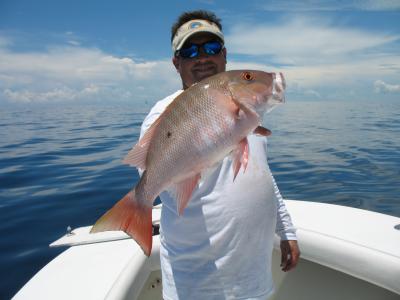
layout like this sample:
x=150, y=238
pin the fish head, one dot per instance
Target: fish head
x=259, y=90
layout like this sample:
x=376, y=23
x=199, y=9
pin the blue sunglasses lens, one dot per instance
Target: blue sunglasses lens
x=210, y=48
x=189, y=52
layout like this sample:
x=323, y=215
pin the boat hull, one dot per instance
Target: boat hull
x=346, y=253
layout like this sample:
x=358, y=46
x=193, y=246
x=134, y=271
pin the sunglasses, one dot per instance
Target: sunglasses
x=193, y=50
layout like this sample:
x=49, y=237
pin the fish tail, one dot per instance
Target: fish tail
x=131, y=216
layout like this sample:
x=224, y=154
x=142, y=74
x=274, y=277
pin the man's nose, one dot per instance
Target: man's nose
x=202, y=55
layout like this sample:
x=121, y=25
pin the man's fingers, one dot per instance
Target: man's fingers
x=285, y=263
x=284, y=258
x=290, y=255
x=295, y=255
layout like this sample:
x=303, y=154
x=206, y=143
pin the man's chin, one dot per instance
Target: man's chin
x=203, y=74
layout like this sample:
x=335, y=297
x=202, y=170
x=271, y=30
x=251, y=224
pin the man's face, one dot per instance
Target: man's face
x=193, y=70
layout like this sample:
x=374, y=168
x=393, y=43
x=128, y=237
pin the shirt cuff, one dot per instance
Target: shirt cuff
x=287, y=236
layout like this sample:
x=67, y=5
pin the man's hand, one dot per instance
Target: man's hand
x=290, y=255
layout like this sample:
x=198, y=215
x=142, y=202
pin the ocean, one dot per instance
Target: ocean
x=61, y=165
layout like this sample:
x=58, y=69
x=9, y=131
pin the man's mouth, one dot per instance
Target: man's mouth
x=204, y=70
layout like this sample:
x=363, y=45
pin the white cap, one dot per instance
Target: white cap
x=194, y=26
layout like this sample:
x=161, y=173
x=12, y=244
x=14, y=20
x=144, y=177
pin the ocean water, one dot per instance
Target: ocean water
x=61, y=166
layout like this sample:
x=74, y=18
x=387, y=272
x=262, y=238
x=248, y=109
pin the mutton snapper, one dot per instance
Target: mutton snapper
x=206, y=122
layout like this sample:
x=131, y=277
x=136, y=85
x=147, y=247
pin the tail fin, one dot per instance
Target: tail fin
x=131, y=216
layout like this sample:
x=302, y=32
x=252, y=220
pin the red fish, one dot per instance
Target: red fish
x=206, y=122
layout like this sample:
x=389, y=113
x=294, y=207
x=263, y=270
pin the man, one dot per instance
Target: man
x=220, y=248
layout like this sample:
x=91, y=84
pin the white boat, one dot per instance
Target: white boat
x=346, y=253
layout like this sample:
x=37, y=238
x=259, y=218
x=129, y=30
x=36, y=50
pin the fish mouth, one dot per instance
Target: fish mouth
x=278, y=88
x=278, y=92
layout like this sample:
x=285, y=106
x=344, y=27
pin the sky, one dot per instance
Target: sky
x=111, y=51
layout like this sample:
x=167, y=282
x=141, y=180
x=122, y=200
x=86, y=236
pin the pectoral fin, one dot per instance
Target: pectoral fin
x=240, y=157
x=262, y=131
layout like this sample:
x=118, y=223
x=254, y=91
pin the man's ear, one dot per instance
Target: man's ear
x=175, y=61
x=224, y=53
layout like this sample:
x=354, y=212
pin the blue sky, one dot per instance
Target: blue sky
x=80, y=51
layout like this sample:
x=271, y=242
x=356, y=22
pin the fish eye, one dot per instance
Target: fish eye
x=247, y=76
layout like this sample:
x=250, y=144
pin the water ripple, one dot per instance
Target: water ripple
x=61, y=166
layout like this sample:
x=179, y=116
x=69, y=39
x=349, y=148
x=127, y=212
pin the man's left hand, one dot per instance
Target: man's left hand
x=290, y=255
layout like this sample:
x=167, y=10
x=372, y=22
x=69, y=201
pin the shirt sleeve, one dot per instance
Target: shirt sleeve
x=284, y=226
x=150, y=119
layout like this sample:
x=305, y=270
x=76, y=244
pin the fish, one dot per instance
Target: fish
x=202, y=125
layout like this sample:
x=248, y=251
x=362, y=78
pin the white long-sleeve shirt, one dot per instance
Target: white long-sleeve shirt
x=221, y=247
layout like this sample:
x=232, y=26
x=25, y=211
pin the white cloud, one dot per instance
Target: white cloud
x=377, y=5
x=29, y=96
x=78, y=73
x=4, y=42
x=73, y=43
x=331, y=5
x=207, y=2
x=383, y=87
x=312, y=93
x=302, y=41
x=317, y=56
x=57, y=94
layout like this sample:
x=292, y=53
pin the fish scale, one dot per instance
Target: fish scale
x=190, y=113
